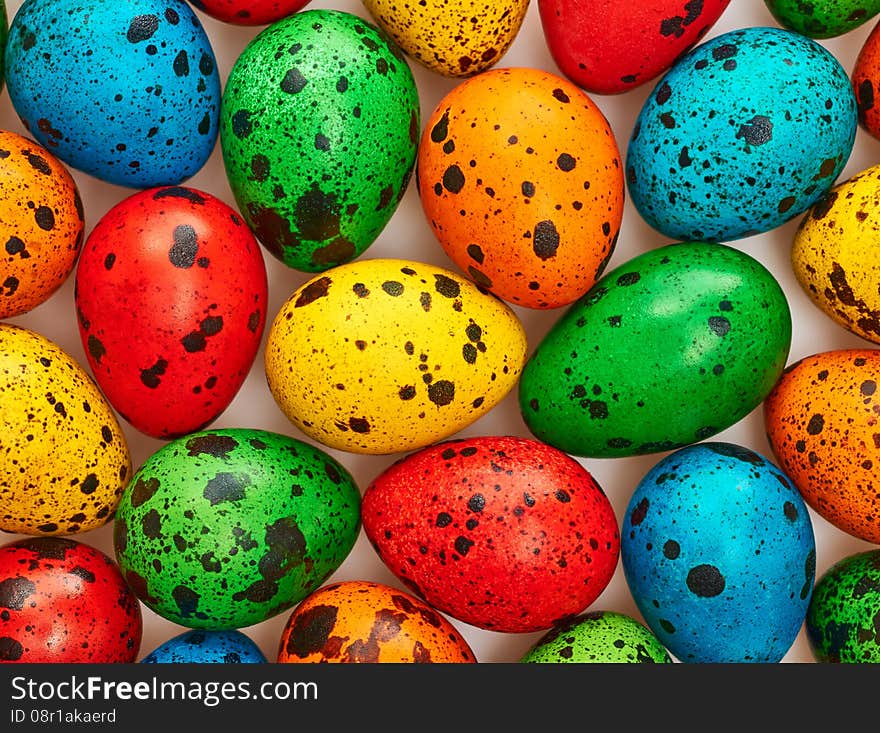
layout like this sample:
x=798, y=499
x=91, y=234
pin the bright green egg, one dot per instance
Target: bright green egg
x=601, y=637
x=822, y=18
x=319, y=131
x=226, y=528
x=667, y=349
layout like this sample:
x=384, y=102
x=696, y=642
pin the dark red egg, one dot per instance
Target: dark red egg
x=249, y=12
x=503, y=533
x=64, y=601
x=171, y=291
x=610, y=47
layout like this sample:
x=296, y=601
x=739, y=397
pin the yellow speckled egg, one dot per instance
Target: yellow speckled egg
x=519, y=176
x=455, y=38
x=64, y=460
x=836, y=253
x=382, y=356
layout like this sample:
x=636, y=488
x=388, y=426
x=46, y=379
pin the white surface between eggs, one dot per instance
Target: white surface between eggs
x=408, y=235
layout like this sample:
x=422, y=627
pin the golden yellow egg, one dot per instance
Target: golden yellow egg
x=455, y=38
x=64, y=459
x=386, y=355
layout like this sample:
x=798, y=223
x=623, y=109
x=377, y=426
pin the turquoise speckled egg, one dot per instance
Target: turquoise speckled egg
x=128, y=92
x=667, y=349
x=319, y=131
x=719, y=554
x=226, y=528
x=742, y=134
x=205, y=646
x=603, y=637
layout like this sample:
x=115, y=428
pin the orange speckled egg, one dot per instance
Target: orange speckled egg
x=519, y=175
x=42, y=225
x=360, y=621
x=823, y=423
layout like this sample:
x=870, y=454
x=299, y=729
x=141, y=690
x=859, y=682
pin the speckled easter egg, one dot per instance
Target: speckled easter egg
x=866, y=83
x=669, y=348
x=42, y=224
x=358, y=621
x=385, y=355
x=609, y=48
x=719, y=554
x=207, y=646
x=520, y=179
x=600, y=637
x=171, y=292
x=222, y=529
x=457, y=38
x=745, y=132
x=65, y=459
x=65, y=602
x=501, y=532
x=823, y=18
x=821, y=421
x=319, y=130
x=249, y=12
x=126, y=91
x=841, y=622
x=836, y=257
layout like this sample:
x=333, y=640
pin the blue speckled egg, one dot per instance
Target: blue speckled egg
x=718, y=552
x=202, y=646
x=126, y=91
x=742, y=134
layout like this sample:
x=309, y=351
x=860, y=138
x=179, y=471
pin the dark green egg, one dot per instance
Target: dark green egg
x=842, y=618
x=319, y=130
x=226, y=528
x=668, y=349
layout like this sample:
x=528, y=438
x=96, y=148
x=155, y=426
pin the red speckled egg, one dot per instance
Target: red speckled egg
x=503, y=533
x=249, y=12
x=171, y=292
x=41, y=226
x=358, y=621
x=610, y=47
x=823, y=423
x=66, y=602
x=866, y=83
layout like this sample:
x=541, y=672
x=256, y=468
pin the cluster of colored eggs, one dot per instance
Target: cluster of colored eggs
x=224, y=528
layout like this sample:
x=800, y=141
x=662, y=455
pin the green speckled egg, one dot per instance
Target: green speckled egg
x=668, y=349
x=599, y=637
x=822, y=18
x=841, y=622
x=319, y=130
x=226, y=528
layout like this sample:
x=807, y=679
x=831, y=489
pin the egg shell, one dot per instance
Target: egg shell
x=824, y=19
x=610, y=48
x=319, y=130
x=835, y=254
x=150, y=116
x=598, y=637
x=841, y=621
x=171, y=297
x=225, y=528
x=456, y=38
x=821, y=422
x=65, y=460
x=359, y=622
x=65, y=602
x=669, y=348
x=866, y=83
x=42, y=226
x=719, y=555
x=742, y=134
x=501, y=532
x=204, y=646
x=520, y=179
x=449, y=352
x=249, y=12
